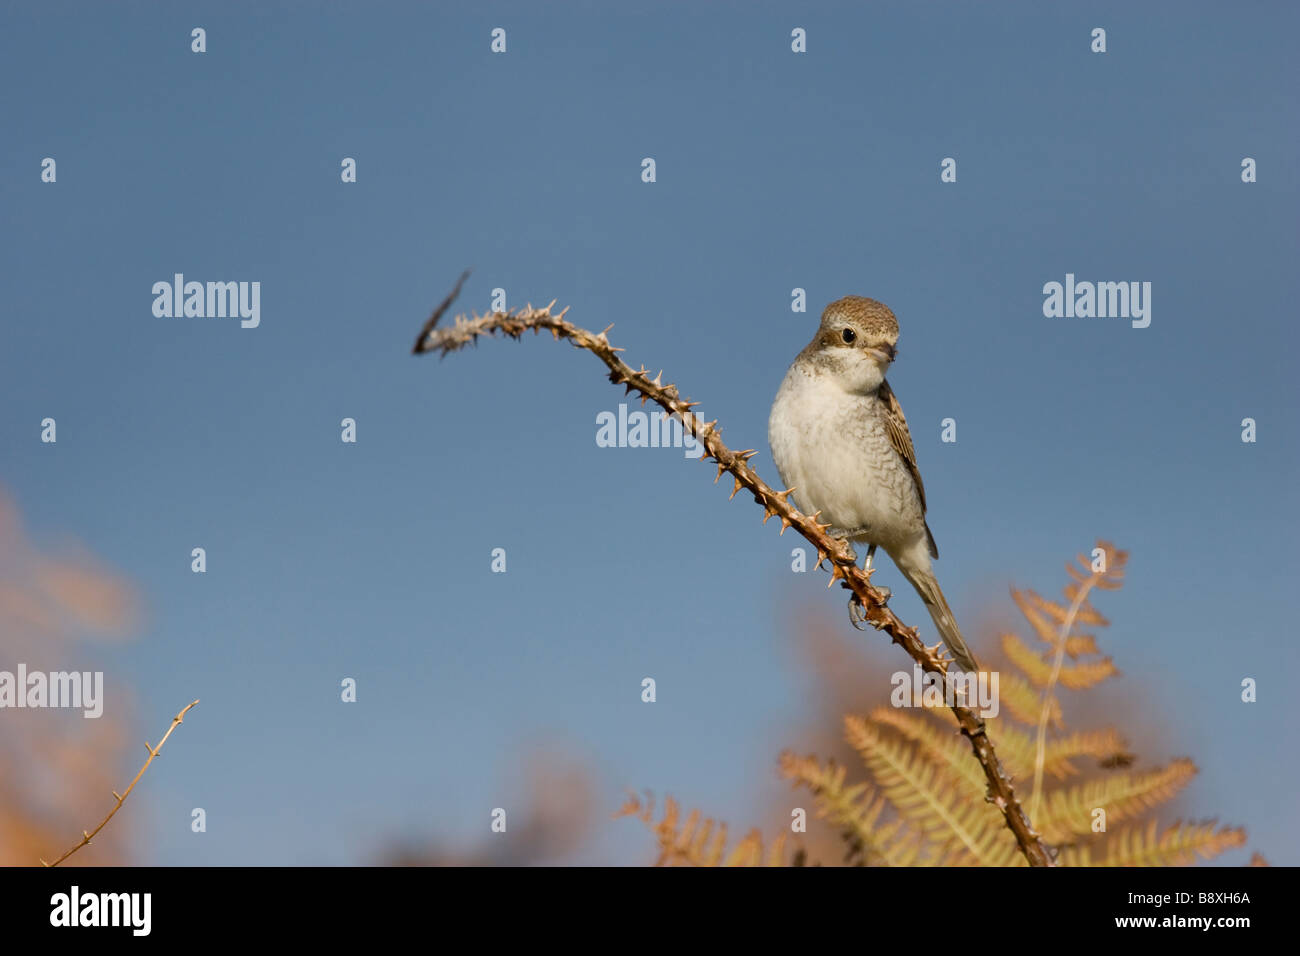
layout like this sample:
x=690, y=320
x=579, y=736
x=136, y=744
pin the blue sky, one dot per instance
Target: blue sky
x=774, y=171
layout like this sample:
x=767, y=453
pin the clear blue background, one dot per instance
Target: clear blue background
x=775, y=171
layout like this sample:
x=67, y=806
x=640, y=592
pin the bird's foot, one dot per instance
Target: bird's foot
x=858, y=614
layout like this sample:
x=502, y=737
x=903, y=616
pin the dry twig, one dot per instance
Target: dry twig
x=121, y=797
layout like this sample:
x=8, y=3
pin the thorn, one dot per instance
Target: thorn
x=747, y=454
x=552, y=305
x=43, y=863
x=147, y=747
x=734, y=490
x=785, y=523
x=118, y=795
x=606, y=328
x=86, y=835
x=767, y=515
x=784, y=494
x=721, y=469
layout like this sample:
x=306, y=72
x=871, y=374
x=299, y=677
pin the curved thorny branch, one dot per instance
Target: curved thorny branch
x=121, y=797
x=835, y=551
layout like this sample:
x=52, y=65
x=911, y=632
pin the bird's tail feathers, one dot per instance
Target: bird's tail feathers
x=928, y=588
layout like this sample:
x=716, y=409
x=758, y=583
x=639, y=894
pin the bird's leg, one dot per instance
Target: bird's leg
x=857, y=615
x=885, y=592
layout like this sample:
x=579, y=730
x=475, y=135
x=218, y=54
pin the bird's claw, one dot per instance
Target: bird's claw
x=857, y=615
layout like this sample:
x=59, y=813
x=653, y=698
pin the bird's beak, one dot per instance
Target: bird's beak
x=880, y=357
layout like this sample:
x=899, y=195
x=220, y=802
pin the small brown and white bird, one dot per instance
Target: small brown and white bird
x=840, y=440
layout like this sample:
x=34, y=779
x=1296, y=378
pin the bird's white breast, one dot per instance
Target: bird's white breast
x=833, y=448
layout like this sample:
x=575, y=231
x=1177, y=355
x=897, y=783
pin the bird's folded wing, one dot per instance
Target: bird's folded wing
x=900, y=437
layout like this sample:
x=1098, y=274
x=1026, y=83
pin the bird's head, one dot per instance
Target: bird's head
x=856, y=343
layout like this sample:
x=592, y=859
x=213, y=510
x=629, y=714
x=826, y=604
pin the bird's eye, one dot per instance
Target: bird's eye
x=848, y=335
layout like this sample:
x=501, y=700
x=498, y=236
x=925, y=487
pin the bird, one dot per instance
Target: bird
x=840, y=440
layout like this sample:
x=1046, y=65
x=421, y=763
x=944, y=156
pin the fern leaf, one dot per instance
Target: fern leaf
x=1122, y=796
x=1079, y=645
x=1180, y=845
x=1105, y=745
x=1016, y=748
x=1086, y=613
x=1112, y=579
x=698, y=841
x=1024, y=702
x=923, y=792
x=855, y=810
x=1076, y=676
x=999, y=849
x=945, y=747
x=1030, y=604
